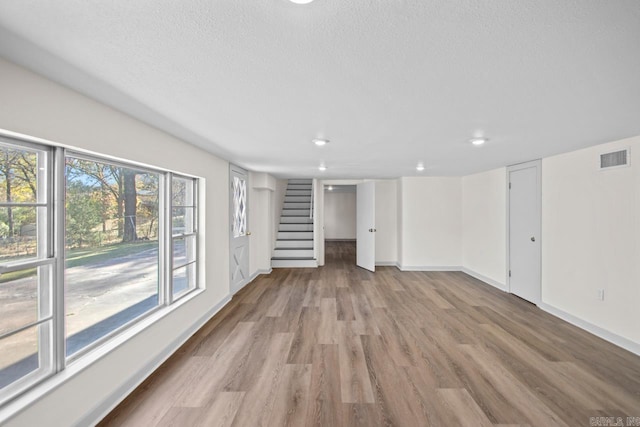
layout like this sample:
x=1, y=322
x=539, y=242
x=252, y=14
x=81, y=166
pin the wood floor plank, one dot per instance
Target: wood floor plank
x=341, y=346
x=292, y=398
x=540, y=374
x=328, y=327
x=370, y=289
x=399, y=349
x=222, y=411
x=344, y=304
x=396, y=403
x=281, y=301
x=306, y=336
x=515, y=392
x=325, y=405
x=466, y=410
x=424, y=385
x=364, y=316
x=260, y=398
x=312, y=297
x=240, y=373
x=355, y=384
x=202, y=388
x=154, y=406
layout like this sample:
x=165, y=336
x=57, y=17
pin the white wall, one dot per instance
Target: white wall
x=339, y=215
x=591, y=238
x=261, y=227
x=483, y=226
x=386, y=222
x=318, y=221
x=400, y=222
x=276, y=207
x=431, y=223
x=38, y=107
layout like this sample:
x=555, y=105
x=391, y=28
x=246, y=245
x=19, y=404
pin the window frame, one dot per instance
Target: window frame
x=171, y=297
x=55, y=233
x=45, y=324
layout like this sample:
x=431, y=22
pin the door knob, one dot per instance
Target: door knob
x=533, y=239
x=248, y=233
x=371, y=230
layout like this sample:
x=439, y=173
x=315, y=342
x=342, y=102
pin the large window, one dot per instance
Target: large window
x=122, y=239
x=26, y=263
x=112, y=248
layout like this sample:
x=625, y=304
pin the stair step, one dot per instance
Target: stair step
x=297, y=199
x=296, y=220
x=296, y=227
x=296, y=212
x=298, y=193
x=294, y=263
x=295, y=243
x=296, y=205
x=296, y=235
x=292, y=253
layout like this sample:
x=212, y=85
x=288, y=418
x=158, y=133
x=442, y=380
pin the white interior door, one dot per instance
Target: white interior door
x=239, y=235
x=366, y=225
x=524, y=231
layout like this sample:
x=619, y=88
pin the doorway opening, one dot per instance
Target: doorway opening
x=349, y=217
x=340, y=213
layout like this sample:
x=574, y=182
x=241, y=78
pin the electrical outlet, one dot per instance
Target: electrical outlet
x=601, y=294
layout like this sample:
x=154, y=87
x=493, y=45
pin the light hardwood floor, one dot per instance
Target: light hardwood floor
x=338, y=346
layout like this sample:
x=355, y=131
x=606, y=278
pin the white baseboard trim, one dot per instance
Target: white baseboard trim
x=625, y=343
x=429, y=267
x=94, y=416
x=251, y=279
x=258, y=273
x=387, y=264
x=485, y=279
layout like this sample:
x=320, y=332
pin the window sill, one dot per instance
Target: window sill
x=31, y=396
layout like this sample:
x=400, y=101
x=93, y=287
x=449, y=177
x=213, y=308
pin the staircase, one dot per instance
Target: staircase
x=294, y=246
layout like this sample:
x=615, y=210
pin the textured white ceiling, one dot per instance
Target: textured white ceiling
x=389, y=82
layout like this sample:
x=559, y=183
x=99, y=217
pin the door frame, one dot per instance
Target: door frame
x=238, y=170
x=512, y=168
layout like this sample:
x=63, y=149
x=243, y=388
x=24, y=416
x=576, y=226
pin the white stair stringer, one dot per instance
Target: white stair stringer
x=294, y=246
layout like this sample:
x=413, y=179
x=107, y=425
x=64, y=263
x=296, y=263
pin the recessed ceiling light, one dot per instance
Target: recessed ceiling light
x=301, y=1
x=420, y=167
x=320, y=142
x=322, y=168
x=330, y=188
x=478, y=141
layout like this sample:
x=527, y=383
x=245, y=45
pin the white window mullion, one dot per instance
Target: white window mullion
x=59, y=344
x=166, y=258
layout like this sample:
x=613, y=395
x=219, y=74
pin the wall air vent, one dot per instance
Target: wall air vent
x=614, y=159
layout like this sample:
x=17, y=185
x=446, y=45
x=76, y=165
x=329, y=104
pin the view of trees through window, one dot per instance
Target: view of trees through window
x=25, y=265
x=129, y=248
x=18, y=189
x=111, y=227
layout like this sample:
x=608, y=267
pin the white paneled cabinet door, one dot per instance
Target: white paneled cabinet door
x=239, y=235
x=524, y=231
x=366, y=226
